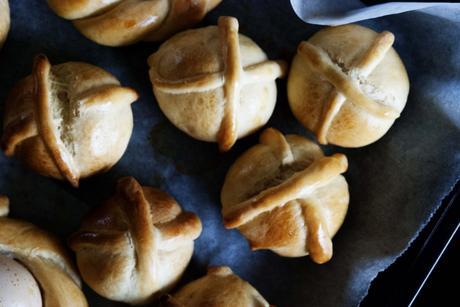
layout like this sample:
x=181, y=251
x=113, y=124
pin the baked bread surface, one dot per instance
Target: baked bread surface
x=219, y=288
x=214, y=84
x=136, y=245
x=124, y=22
x=43, y=255
x=4, y=20
x=348, y=85
x=285, y=195
x=68, y=121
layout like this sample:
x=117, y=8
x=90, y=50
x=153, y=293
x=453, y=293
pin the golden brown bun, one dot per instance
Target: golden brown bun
x=215, y=84
x=68, y=121
x=124, y=22
x=348, y=85
x=284, y=195
x=219, y=288
x=43, y=255
x=4, y=20
x=136, y=245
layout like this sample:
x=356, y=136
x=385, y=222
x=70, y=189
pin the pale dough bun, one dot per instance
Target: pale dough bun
x=4, y=21
x=219, y=288
x=68, y=121
x=136, y=245
x=44, y=256
x=348, y=85
x=124, y=22
x=214, y=84
x=285, y=195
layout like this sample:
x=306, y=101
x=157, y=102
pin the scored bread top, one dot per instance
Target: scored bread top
x=348, y=85
x=69, y=120
x=284, y=195
x=136, y=245
x=214, y=83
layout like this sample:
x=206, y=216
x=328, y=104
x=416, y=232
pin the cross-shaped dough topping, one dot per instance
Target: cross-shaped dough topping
x=299, y=188
x=233, y=79
x=346, y=85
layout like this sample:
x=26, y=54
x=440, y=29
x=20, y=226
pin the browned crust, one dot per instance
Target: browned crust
x=113, y=94
x=41, y=73
x=182, y=15
x=364, y=66
x=137, y=213
x=320, y=61
x=289, y=213
x=72, y=9
x=319, y=172
x=228, y=30
x=232, y=79
x=21, y=127
x=4, y=206
x=169, y=301
x=319, y=243
x=186, y=226
x=219, y=287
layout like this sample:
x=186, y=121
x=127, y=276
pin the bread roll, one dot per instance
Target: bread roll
x=214, y=84
x=46, y=259
x=220, y=287
x=348, y=85
x=136, y=245
x=285, y=195
x=124, y=22
x=68, y=121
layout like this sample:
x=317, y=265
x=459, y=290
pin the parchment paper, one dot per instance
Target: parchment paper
x=339, y=12
x=395, y=184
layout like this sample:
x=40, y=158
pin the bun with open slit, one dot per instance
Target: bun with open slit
x=68, y=121
x=214, y=84
x=285, y=195
x=24, y=248
x=4, y=20
x=136, y=245
x=220, y=287
x=348, y=85
x=124, y=22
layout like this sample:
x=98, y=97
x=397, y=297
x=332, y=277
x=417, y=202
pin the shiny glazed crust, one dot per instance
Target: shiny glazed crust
x=219, y=288
x=348, y=85
x=42, y=254
x=215, y=84
x=284, y=195
x=124, y=22
x=4, y=20
x=136, y=245
x=68, y=121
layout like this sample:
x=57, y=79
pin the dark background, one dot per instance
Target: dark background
x=403, y=284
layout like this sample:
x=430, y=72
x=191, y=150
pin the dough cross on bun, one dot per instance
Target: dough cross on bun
x=297, y=188
x=233, y=78
x=344, y=83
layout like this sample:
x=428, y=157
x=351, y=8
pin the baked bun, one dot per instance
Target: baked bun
x=4, y=20
x=43, y=255
x=348, y=85
x=68, y=121
x=284, y=195
x=215, y=84
x=124, y=22
x=220, y=287
x=136, y=245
